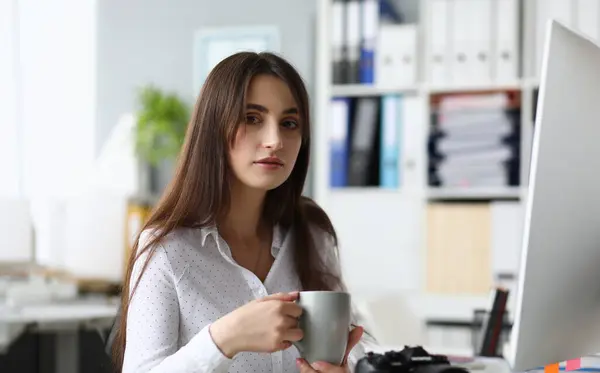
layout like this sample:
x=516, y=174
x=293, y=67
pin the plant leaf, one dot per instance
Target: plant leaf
x=161, y=125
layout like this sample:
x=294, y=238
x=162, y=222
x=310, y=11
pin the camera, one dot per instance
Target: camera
x=409, y=360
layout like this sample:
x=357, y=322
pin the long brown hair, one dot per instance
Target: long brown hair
x=199, y=191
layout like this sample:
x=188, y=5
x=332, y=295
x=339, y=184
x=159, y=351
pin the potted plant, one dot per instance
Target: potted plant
x=162, y=120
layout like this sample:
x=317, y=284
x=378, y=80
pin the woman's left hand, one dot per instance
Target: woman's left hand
x=323, y=367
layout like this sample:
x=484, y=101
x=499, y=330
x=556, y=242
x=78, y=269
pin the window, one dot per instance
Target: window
x=47, y=96
x=47, y=118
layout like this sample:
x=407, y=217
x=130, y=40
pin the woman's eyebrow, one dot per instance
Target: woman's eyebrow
x=262, y=109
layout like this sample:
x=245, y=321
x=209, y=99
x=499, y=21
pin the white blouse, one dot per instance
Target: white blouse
x=191, y=281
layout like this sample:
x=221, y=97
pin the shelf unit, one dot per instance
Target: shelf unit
x=382, y=232
x=325, y=91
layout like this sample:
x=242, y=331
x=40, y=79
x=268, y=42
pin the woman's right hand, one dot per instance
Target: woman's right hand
x=268, y=324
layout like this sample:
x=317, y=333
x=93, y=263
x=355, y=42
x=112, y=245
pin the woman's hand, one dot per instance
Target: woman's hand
x=268, y=324
x=323, y=367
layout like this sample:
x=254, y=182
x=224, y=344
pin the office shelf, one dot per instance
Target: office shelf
x=474, y=193
x=355, y=90
x=391, y=226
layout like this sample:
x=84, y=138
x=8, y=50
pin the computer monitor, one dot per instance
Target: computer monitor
x=557, y=315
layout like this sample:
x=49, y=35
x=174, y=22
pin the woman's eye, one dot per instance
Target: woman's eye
x=290, y=124
x=252, y=119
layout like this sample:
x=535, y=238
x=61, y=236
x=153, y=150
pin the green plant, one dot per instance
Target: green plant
x=162, y=120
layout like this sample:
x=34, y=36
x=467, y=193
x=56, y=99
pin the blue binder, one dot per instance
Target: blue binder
x=391, y=135
x=340, y=114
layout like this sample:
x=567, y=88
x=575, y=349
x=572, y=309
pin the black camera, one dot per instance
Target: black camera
x=409, y=360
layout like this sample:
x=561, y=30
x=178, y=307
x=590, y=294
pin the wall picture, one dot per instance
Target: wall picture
x=211, y=45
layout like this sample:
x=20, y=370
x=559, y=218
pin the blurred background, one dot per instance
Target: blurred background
x=423, y=113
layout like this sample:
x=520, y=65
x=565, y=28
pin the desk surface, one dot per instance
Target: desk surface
x=13, y=319
x=69, y=311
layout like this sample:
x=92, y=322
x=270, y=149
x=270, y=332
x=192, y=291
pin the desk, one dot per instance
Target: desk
x=64, y=319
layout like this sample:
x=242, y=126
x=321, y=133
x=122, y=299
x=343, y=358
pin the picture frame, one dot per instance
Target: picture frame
x=212, y=45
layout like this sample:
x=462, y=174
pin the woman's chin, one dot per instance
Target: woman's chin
x=266, y=184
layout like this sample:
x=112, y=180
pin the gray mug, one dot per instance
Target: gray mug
x=325, y=321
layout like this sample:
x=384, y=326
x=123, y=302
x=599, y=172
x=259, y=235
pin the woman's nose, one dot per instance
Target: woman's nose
x=272, y=137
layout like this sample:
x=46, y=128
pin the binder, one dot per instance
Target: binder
x=396, y=58
x=391, y=133
x=505, y=56
x=460, y=40
x=493, y=325
x=338, y=41
x=507, y=233
x=368, y=51
x=363, y=142
x=413, y=142
x=353, y=39
x=479, y=55
x=439, y=53
x=340, y=112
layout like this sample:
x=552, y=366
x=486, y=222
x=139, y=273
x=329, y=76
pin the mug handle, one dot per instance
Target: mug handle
x=298, y=344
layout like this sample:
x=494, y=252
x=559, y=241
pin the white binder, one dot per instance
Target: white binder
x=438, y=46
x=479, y=13
x=505, y=57
x=396, y=56
x=413, y=143
x=460, y=39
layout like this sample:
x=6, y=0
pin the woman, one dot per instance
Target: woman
x=212, y=286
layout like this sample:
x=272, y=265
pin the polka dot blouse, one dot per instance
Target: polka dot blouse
x=191, y=281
